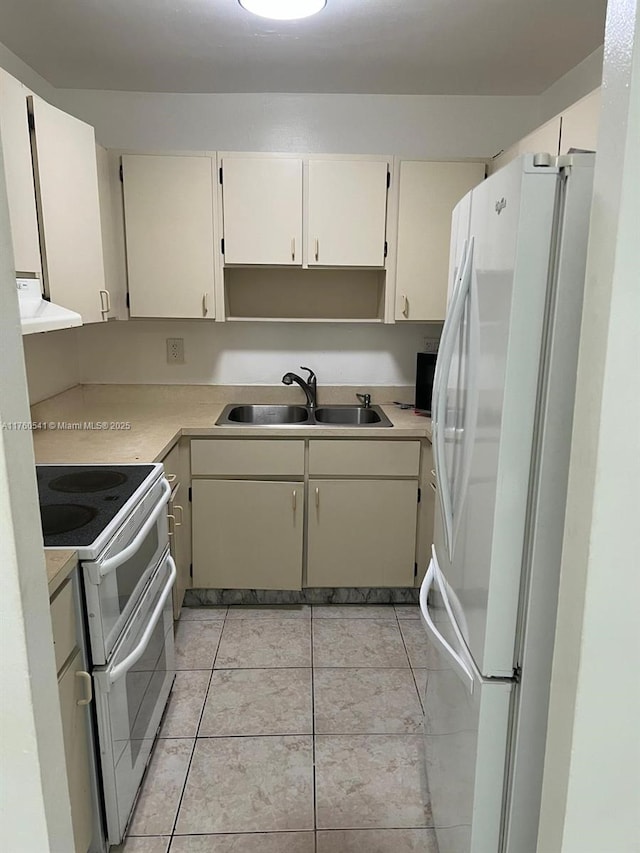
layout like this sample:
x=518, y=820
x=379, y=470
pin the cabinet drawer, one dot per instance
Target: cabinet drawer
x=247, y=457
x=171, y=463
x=362, y=458
x=63, y=622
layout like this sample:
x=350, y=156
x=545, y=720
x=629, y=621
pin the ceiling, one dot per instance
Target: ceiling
x=461, y=47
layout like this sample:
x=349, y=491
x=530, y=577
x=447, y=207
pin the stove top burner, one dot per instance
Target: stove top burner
x=93, y=480
x=61, y=518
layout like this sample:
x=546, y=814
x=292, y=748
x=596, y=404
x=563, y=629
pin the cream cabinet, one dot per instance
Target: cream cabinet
x=580, y=123
x=428, y=193
x=66, y=178
x=16, y=152
x=347, y=212
x=168, y=208
x=262, y=210
x=361, y=533
x=247, y=534
x=176, y=468
x=75, y=692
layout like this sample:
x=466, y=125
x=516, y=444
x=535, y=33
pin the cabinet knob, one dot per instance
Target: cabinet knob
x=172, y=523
x=316, y=252
x=176, y=508
x=294, y=499
x=405, y=305
x=205, y=303
x=293, y=248
x=317, y=498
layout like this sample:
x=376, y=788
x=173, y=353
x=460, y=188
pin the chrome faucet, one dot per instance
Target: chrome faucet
x=366, y=400
x=310, y=387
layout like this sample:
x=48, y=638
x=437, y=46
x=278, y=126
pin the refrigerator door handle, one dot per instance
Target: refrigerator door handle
x=443, y=365
x=454, y=658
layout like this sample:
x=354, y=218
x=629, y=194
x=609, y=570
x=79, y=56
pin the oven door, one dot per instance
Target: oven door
x=131, y=694
x=115, y=581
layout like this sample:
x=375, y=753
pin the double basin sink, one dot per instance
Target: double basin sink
x=280, y=415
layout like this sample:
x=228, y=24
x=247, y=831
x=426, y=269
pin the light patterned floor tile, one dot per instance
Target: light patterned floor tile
x=407, y=611
x=185, y=704
x=370, y=781
x=196, y=643
x=377, y=841
x=366, y=701
x=253, y=644
x=157, y=805
x=358, y=643
x=422, y=654
x=196, y=614
x=248, y=784
x=259, y=842
x=258, y=702
x=420, y=676
x=152, y=844
x=270, y=611
x=353, y=611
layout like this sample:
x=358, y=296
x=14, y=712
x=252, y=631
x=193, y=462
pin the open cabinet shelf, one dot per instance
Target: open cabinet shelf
x=279, y=294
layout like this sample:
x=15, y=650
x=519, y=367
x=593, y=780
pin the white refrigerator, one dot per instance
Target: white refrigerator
x=502, y=420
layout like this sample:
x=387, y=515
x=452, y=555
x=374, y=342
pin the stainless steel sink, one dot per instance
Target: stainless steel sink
x=264, y=415
x=279, y=415
x=351, y=416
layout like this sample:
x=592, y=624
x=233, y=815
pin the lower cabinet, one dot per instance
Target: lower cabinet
x=361, y=533
x=73, y=688
x=247, y=534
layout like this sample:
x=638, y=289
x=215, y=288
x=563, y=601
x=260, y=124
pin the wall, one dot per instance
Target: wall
x=575, y=84
x=428, y=127
x=250, y=353
x=52, y=363
x=34, y=801
x=592, y=764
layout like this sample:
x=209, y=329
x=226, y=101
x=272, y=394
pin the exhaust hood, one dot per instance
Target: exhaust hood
x=39, y=315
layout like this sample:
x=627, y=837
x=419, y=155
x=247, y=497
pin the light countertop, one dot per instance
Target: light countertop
x=60, y=564
x=140, y=423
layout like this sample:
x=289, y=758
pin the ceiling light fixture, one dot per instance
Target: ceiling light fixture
x=283, y=10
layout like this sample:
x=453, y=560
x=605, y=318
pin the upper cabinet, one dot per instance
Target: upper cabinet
x=576, y=127
x=262, y=210
x=169, y=203
x=428, y=193
x=16, y=150
x=347, y=212
x=66, y=179
x=580, y=124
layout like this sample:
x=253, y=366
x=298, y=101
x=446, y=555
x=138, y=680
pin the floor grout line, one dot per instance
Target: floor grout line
x=313, y=744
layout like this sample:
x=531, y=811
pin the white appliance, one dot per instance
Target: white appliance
x=502, y=420
x=115, y=517
x=38, y=314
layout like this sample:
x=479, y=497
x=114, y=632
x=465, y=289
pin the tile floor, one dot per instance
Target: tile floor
x=291, y=730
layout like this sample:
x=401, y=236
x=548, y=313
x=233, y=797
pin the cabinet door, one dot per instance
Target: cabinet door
x=16, y=152
x=544, y=139
x=168, y=205
x=347, y=212
x=72, y=688
x=247, y=534
x=428, y=194
x=580, y=124
x=362, y=532
x=66, y=177
x=262, y=210
x=179, y=533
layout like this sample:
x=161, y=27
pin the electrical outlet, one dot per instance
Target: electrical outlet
x=431, y=344
x=175, y=350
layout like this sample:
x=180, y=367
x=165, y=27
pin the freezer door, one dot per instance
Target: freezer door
x=496, y=329
x=466, y=733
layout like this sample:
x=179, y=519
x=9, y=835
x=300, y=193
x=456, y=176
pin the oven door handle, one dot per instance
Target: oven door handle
x=121, y=557
x=133, y=657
